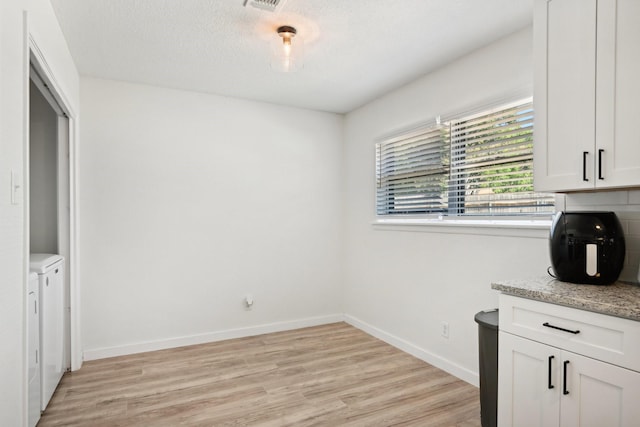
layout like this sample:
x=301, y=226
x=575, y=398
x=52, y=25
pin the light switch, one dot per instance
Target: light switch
x=16, y=188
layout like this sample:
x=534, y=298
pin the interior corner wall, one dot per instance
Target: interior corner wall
x=404, y=284
x=17, y=28
x=189, y=202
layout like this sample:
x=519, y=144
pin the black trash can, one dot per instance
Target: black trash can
x=488, y=349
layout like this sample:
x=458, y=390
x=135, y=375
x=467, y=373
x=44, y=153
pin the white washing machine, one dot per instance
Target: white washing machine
x=33, y=348
x=50, y=271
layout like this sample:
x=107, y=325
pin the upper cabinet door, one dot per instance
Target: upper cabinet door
x=564, y=94
x=618, y=93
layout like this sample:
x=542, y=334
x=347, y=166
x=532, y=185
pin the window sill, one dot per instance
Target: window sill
x=532, y=228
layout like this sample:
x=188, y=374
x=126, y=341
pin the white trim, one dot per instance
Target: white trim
x=42, y=67
x=446, y=365
x=433, y=359
x=37, y=58
x=25, y=215
x=509, y=226
x=34, y=75
x=535, y=229
x=74, y=285
x=101, y=353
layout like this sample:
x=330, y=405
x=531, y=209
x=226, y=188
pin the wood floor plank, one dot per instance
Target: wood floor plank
x=330, y=375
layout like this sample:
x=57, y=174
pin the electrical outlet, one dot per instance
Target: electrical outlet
x=444, y=329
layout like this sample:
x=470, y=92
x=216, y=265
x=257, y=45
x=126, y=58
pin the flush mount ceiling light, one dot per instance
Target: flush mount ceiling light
x=287, y=54
x=287, y=33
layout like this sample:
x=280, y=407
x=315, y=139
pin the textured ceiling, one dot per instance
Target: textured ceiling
x=354, y=50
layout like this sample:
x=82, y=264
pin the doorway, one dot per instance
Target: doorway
x=49, y=181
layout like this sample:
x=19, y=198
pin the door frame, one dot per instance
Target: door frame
x=39, y=63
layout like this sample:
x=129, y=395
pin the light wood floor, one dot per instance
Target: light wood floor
x=332, y=375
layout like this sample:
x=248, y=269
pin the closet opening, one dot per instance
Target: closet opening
x=49, y=192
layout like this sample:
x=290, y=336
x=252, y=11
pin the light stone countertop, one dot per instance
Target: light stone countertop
x=619, y=299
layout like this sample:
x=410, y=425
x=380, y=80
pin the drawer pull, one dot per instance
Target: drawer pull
x=549, y=385
x=564, y=378
x=548, y=325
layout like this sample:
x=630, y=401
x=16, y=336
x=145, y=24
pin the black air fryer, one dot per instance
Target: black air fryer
x=587, y=247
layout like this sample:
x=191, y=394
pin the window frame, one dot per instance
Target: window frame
x=532, y=221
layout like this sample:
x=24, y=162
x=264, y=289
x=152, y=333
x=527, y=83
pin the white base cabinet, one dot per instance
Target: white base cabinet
x=544, y=386
x=559, y=366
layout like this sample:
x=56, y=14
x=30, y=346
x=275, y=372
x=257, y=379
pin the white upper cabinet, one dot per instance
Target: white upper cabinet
x=586, y=92
x=618, y=92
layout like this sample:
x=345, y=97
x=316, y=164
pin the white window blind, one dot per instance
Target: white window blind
x=481, y=164
x=412, y=172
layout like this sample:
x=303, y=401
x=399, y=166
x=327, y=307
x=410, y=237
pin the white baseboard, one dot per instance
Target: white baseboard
x=422, y=354
x=102, y=353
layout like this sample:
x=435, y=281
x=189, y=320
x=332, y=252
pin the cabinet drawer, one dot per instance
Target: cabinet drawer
x=610, y=339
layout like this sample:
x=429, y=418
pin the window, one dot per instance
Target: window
x=481, y=165
x=413, y=172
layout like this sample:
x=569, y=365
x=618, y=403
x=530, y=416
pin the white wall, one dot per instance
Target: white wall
x=188, y=202
x=43, y=174
x=12, y=263
x=42, y=27
x=626, y=205
x=402, y=284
